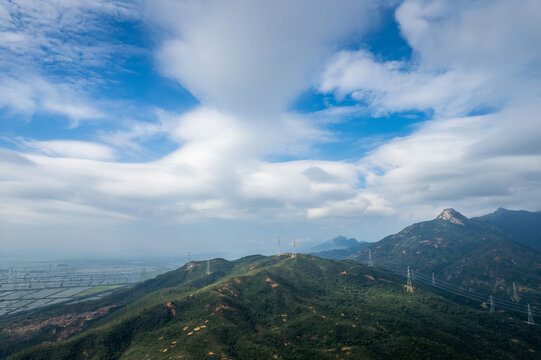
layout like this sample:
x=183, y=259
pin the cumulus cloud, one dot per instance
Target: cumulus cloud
x=495, y=35
x=251, y=57
x=217, y=172
x=467, y=56
x=390, y=87
x=476, y=163
x=220, y=174
x=246, y=61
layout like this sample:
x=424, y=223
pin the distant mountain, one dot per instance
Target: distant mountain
x=522, y=226
x=270, y=308
x=339, y=242
x=339, y=247
x=468, y=253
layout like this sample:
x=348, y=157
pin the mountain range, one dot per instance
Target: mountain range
x=306, y=306
x=470, y=253
x=278, y=307
x=521, y=226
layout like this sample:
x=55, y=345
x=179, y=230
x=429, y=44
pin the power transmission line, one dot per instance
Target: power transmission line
x=427, y=280
x=447, y=287
x=476, y=297
x=472, y=295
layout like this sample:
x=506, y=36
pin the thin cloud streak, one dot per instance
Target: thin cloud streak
x=51, y=53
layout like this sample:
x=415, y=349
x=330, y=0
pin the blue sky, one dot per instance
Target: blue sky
x=232, y=122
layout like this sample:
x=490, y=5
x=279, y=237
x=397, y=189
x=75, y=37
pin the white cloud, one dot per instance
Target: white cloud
x=46, y=47
x=246, y=61
x=47, y=211
x=494, y=35
x=364, y=203
x=467, y=56
x=470, y=56
x=69, y=149
x=217, y=172
x=28, y=94
x=251, y=57
x=54, y=33
x=390, y=87
x=474, y=163
x=469, y=163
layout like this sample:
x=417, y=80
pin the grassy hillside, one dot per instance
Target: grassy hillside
x=69, y=319
x=283, y=308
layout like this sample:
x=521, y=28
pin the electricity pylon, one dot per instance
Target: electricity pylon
x=294, y=248
x=278, y=243
x=208, y=267
x=370, y=264
x=530, y=316
x=515, y=295
x=409, y=286
x=433, y=280
x=491, y=304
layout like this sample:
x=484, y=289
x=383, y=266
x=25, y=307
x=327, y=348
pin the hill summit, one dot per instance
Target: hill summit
x=453, y=216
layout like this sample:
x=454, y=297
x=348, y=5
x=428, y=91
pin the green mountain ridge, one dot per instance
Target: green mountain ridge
x=278, y=308
x=522, y=226
x=465, y=252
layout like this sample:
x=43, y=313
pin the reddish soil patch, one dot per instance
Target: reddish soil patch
x=172, y=307
x=68, y=324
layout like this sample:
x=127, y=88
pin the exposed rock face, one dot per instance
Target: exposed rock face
x=452, y=216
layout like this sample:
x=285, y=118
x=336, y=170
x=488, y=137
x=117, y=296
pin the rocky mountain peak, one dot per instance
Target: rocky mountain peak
x=452, y=216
